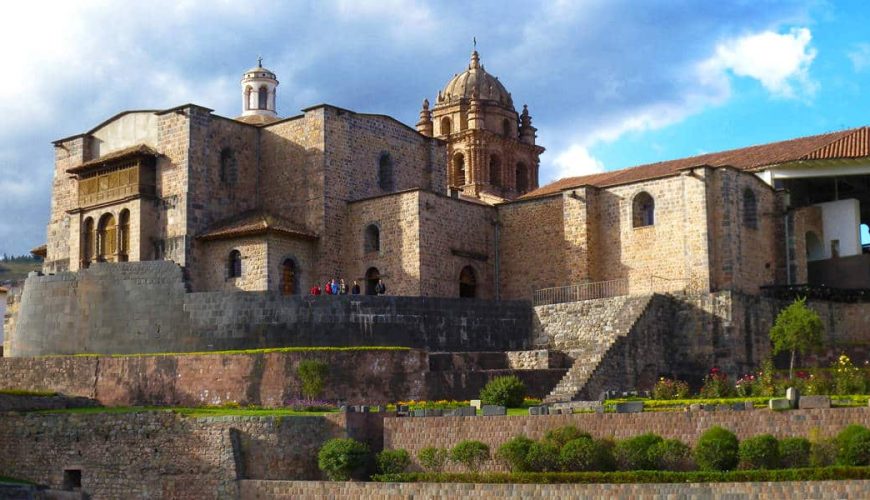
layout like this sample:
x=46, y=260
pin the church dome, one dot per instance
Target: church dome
x=475, y=82
x=259, y=72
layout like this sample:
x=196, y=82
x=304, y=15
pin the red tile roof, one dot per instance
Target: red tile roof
x=41, y=250
x=852, y=143
x=255, y=222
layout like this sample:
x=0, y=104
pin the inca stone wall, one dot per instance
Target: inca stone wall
x=143, y=307
x=267, y=490
x=265, y=379
x=160, y=454
x=413, y=434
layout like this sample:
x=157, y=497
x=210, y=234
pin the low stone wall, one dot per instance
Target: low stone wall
x=413, y=434
x=265, y=490
x=267, y=379
x=164, y=455
x=142, y=307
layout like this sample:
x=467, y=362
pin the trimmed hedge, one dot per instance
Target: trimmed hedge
x=634, y=453
x=506, y=391
x=794, y=452
x=514, y=453
x=470, y=453
x=621, y=477
x=717, y=450
x=342, y=459
x=759, y=452
x=561, y=435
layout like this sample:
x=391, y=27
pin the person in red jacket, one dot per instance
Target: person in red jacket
x=315, y=290
x=327, y=288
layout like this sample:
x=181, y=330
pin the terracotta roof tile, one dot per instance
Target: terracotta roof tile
x=255, y=222
x=852, y=143
x=41, y=250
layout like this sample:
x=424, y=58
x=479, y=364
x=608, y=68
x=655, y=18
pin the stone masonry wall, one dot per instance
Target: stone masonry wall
x=143, y=307
x=164, y=455
x=267, y=379
x=263, y=490
x=413, y=434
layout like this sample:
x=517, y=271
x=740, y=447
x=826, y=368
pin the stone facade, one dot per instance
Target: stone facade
x=269, y=490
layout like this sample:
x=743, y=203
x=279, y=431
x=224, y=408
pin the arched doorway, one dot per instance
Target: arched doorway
x=467, y=283
x=288, y=278
x=107, y=236
x=372, y=277
x=459, y=170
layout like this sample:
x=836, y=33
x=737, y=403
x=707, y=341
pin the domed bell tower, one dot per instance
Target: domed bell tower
x=492, y=153
x=258, y=95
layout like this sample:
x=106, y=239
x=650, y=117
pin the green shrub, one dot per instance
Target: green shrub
x=432, y=458
x=848, y=378
x=667, y=388
x=470, y=453
x=312, y=375
x=716, y=385
x=584, y=454
x=393, y=461
x=823, y=453
x=633, y=453
x=794, y=452
x=670, y=454
x=853, y=446
x=506, y=391
x=759, y=452
x=543, y=457
x=513, y=453
x=561, y=435
x=717, y=449
x=343, y=458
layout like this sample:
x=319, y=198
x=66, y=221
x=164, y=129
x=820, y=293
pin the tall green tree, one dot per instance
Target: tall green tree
x=797, y=329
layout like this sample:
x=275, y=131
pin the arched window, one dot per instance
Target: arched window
x=372, y=238
x=248, y=91
x=458, y=169
x=124, y=236
x=643, y=210
x=815, y=249
x=445, y=126
x=506, y=128
x=107, y=239
x=234, y=264
x=467, y=283
x=495, y=170
x=372, y=278
x=385, y=172
x=750, y=209
x=522, y=178
x=262, y=98
x=229, y=172
x=289, y=279
x=88, y=241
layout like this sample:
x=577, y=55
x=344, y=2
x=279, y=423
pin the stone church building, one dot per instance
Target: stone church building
x=450, y=208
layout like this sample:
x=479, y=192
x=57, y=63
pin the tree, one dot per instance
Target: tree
x=312, y=374
x=797, y=329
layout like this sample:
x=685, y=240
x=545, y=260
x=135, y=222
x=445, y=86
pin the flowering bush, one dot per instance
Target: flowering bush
x=848, y=379
x=745, y=386
x=309, y=405
x=667, y=388
x=819, y=382
x=716, y=385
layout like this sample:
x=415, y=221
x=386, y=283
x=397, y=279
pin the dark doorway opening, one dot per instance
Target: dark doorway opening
x=72, y=479
x=372, y=277
x=288, y=278
x=467, y=283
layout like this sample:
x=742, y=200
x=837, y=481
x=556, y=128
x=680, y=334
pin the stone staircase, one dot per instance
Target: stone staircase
x=593, y=346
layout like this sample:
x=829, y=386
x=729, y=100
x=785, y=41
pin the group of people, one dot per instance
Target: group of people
x=337, y=286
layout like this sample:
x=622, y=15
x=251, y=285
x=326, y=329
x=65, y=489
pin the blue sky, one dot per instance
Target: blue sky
x=609, y=84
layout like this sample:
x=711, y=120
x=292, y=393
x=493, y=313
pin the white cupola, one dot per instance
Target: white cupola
x=258, y=93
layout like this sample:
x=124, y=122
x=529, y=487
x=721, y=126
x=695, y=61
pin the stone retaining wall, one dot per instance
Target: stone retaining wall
x=413, y=434
x=143, y=307
x=265, y=490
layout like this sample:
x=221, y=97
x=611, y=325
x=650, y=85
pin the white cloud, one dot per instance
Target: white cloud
x=860, y=57
x=576, y=160
x=781, y=62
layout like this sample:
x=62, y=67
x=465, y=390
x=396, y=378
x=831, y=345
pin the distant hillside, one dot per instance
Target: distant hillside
x=17, y=270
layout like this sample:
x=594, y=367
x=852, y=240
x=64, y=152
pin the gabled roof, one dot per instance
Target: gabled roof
x=131, y=152
x=255, y=222
x=845, y=144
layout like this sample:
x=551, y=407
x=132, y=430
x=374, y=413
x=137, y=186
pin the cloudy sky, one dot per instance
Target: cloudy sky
x=609, y=83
